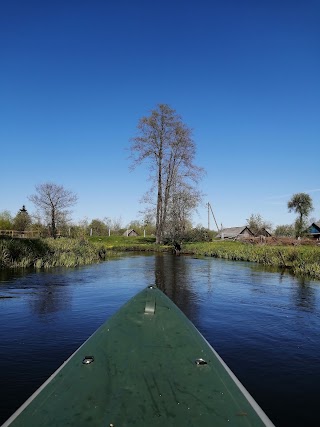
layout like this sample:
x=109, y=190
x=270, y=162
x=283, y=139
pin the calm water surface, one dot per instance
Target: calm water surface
x=265, y=325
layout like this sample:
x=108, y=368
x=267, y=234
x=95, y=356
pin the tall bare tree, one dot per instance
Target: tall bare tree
x=165, y=143
x=53, y=201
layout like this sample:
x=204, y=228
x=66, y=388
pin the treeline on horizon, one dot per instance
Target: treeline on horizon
x=24, y=222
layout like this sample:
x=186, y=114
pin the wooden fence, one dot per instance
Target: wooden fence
x=20, y=234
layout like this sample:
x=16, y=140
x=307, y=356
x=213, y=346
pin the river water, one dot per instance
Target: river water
x=264, y=324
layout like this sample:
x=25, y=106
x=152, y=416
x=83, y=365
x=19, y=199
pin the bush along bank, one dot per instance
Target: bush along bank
x=48, y=253
x=68, y=252
x=301, y=260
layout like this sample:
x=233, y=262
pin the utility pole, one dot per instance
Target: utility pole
x=210, y=209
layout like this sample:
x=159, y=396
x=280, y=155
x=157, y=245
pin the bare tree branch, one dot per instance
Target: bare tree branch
x=53, y=200
x=164, y=142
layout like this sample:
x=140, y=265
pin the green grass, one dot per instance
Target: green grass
x=66, y=252
x=301, y=260
x=123, y=243
x=48, y=253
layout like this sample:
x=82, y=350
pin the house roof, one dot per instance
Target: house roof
x=314, y=228
x=234, y=231
x=266, y=232
x=128, y=232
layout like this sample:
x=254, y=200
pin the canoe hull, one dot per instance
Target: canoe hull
x=150, y=367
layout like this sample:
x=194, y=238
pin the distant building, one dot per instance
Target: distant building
x=314, y=230
x=130, y=233
x=235, y=233
x=264, y=232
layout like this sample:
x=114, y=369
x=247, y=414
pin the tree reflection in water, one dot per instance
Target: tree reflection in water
x=304, y=295
x=174, y=278
x=52, y=298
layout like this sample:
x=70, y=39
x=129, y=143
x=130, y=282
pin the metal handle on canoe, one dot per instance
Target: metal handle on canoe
x=150, y=306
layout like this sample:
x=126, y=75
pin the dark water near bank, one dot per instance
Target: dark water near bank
x=265, y=325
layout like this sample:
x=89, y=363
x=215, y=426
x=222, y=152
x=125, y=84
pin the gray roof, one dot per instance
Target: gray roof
x=233, y=231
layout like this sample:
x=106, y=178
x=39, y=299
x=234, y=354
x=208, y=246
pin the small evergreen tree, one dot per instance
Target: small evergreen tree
x=22, y=220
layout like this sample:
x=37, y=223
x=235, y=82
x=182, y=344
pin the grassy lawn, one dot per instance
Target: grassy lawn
x=123, y=243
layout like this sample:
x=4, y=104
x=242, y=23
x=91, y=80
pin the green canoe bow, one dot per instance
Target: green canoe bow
x=146, y=366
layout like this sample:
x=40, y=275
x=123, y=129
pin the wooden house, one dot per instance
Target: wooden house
x=314, y=230
x=235, y=233
x=264, y=232
x=130, y=233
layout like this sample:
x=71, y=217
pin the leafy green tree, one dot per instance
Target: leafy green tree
x=22, y=220
x=80, y=230
x=98, y=227
x=6, y=220
x=53, y=200
x=301, y=203
x=137, y=226
x=284, y=231
x=166, y=145
x=257, y=224
x=37, y=226
x=199, y=234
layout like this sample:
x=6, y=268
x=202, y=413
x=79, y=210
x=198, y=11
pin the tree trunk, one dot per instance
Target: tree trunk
x=159, y=225
x=53, y=224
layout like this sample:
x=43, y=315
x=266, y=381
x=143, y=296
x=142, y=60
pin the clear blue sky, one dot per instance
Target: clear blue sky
x=75, y=77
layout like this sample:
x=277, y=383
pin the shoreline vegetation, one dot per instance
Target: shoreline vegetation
x=300, y=260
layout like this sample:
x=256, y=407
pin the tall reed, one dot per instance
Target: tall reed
x=302, y=260
x=47, y=253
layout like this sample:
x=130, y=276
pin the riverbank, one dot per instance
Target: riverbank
x=300, y=260
x=66, y=252
x=48, y=253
